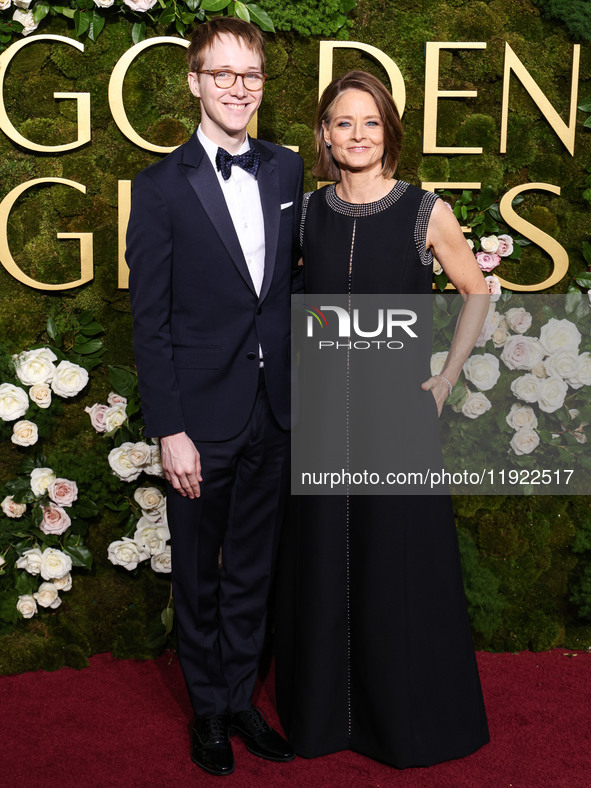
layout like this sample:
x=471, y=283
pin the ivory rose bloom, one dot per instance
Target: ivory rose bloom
x=12, y=509
x=470, y=243
x=482, y=370
x=97, y=415
x=13, y=402
x=26, y=605
x=524, y=441
x=521, y=416
x=22, y=3
x=526, y=388
x=26, y=19
x=438, y=361
x=562, y=364
x=148, y=498
x=486, y=261
x=475, y=405
x=69, y=379
x=63, y=492
x=582, y=374
x=139, y=454
x=30, y=561
x=494, y=287
x=155, y=466
x=55, y=564
x=489, y=243
x=104, y=3
x=55, y=520
x=151, y=537
x=552, y=393
x=25, y=433
x=140, y=5
x=127, y=553
x=505, y=247
x=4, y=4
x=490, y=324
x=518, y=319
x=63, y=583
x=41, y=478
x=121, y=463
x=162, y=562
x=522, y=352
x=40, y=394
x=500, y=334
x=115, y=416
x=116, y=399
x=47, y=596
x=560, y=335
x=35, y=366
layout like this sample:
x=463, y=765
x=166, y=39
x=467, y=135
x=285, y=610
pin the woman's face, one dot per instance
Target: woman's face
x=356, y=132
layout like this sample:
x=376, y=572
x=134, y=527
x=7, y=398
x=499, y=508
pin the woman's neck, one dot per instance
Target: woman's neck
x=362, y=187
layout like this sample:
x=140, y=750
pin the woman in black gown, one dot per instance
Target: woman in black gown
x=373, y=647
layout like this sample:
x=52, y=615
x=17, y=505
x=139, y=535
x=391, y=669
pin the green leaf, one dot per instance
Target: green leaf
x=40, y=11
x=80, y=555
x=87, y=348
x=138, y=32
x=167, y=17
x=84, y=508
x=516, y=253
x=587, y=123
x=51, y=328
x=584, y=280
x=65, y=11
x=82, y=20
x=123, y=380
x=585, y=104
x=586, y=248
x=92, y=329
x=214, y=5
x=262, y=18
x=167, y=618
x=193, y=5
x=241, y=11
x=485, y=199
x=181, y=28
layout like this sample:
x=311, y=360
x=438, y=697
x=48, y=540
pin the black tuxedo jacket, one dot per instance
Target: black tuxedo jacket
x=198, y=321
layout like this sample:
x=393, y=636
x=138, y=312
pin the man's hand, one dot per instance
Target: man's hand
x=181, y=463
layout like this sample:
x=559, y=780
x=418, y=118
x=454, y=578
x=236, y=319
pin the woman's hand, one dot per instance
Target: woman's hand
x=439, y=389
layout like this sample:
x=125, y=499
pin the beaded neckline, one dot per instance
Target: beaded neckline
x=367, y=208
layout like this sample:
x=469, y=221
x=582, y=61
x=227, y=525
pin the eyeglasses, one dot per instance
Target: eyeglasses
x=224, y=78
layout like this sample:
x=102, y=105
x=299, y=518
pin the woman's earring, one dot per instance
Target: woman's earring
x=328, y=145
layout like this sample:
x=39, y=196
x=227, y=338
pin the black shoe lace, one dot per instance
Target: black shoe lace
x=255, y=720
x=217, y=726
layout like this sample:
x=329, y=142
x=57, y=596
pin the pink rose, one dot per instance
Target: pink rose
x=97, y=416
x=140, y=5
x=505, y=247
x=116, y=399
x=63, y=492
x=55, y=520
x=487, y=261
x=494, y=287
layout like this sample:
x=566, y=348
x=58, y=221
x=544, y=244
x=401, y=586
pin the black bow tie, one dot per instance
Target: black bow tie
x=249, y=162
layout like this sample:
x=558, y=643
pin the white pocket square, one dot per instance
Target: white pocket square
x=285, y=205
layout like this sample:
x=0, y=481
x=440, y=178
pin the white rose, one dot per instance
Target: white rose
x=121, y=464
x=24, y=433
x=560, y=335
x=26, y=19
x=104, y=3
x=505, y=247
x=521, y=416
x=562, y=364
x=126, y=553
x=13, y=402
x=63, y=583
x=470, y=243
x=41, y=478
x=152, y=537
x=116, y=399
x=579, y=435
x=526, y=388
x=500, y=334
x=491, y=321
x=437, y=269
x=482, y=370
x=12, y=509
x=155, y=515
x=518, y=319
x=4, y=4
x=40, y=394
x=2, y=561
x=34, y=366
x=162, y=561
x=438, y=361
x=54, y=564
x=26, y=605
x=55, y=520
x=140, y=5
x=539, y=370
x=475, y=405
x=22, y=3
x=489, y=243
x=63, y=492
x=524, y=441
x=582, y=376
x=155, y=466
x=69, y=379
x=552, y=393
x=494, y=286
x=47, y=596
x=30, y=561
x=97, y=415
x=139, y=454
x=522, y=352
x=589, y=294
x=115, y=416
x=148, y=498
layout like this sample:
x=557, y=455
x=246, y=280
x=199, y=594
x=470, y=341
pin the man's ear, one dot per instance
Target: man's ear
x=193, y=80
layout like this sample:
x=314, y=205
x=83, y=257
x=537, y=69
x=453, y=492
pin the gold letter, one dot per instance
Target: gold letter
x=432, y=94
x=116, y=91
x=541, y=239
x=124, y=201
x=396, y=79
x=83, y=100
x=6, y=257
x=565, y=133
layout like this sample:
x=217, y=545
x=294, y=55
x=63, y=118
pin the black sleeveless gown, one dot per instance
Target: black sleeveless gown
x=373, y=646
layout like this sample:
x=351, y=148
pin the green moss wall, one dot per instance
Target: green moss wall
x=518, y=553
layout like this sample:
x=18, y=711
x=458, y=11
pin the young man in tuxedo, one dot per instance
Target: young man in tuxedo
x=211, y=246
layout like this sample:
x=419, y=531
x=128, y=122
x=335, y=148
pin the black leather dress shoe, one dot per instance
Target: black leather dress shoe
x=259, y=736
x=210, y=744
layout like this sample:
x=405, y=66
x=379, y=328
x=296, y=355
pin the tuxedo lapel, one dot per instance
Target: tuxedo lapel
x=268, y=180
x=197, y=168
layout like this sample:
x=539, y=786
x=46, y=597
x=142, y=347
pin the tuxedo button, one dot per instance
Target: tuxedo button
x=251, y=355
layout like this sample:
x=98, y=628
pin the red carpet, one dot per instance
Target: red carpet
x=124, y=723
